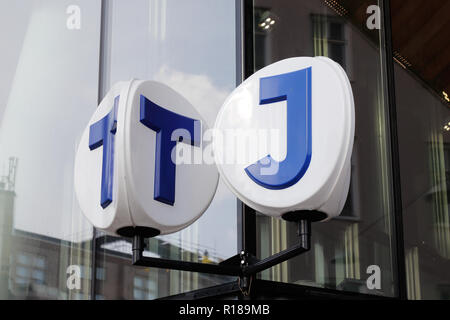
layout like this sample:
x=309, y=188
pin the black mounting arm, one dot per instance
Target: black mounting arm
x=303, y=245
x=140, y=260
x=241, y=265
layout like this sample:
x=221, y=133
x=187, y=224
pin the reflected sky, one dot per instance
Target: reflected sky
x=52, y=79
x=48, y=92
x=190, y=46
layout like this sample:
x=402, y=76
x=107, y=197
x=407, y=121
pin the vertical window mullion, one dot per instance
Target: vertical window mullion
x=389, y=87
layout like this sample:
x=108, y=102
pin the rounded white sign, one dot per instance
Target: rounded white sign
x=286, y=138
x=136, y=168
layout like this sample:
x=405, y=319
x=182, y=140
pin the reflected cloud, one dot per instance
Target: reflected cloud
x=198, y=89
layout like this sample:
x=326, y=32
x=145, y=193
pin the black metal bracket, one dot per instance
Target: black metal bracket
x=243, y=265
x=138, y=259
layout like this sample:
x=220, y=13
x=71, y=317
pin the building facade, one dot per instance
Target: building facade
x=392, y=239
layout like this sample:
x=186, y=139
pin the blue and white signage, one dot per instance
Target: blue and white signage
x=285, y=138
x=135, y=163
x=282, y=143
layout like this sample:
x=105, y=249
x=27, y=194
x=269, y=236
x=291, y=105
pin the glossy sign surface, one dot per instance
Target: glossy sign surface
x=135, y=163
x=302, y=111
x=165, y=123
x=102, y=133
x=295, y=89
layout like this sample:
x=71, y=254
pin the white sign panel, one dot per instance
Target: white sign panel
x=135, y=166
x=286, y=138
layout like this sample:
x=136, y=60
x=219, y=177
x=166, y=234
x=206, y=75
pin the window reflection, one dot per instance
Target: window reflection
x=344, y=248
x=421, y=84
x=48, y=91
x=170, y=44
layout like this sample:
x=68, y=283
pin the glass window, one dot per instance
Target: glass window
x=138, y=282
x=39, y=262
x=27, y=274
x=329, y=37
x=22, y=281
x=189, y=46
x=346, y=249
x=101, y=274
x=38, y=276
x=138, y=294
x=48, y=91
x=85, y=272
x=22, y=259
x=22, y=272
x=144, y=288
x=422, y=86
